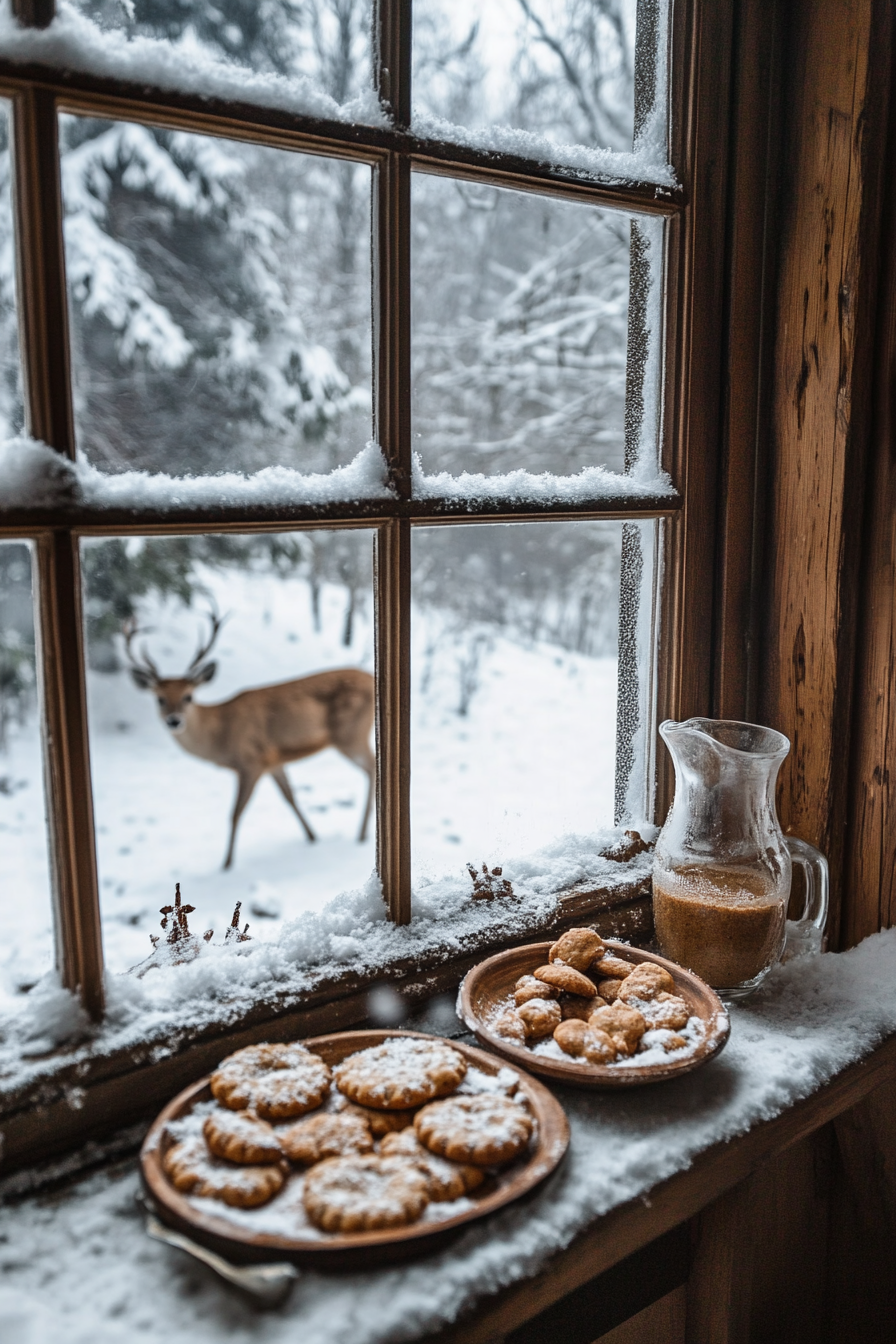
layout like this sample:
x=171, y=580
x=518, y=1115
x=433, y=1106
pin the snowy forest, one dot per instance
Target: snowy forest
x=220, y=313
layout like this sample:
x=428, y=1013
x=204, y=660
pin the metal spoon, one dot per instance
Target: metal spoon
x=270, y=1284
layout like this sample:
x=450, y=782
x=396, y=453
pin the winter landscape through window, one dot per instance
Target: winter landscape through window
x=241, y=293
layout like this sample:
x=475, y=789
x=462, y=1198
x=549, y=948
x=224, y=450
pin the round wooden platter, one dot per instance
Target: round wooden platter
x=332, y=1251
x=489, y=986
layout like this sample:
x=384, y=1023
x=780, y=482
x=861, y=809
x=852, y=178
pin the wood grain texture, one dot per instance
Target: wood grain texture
x=823, y=333
x=663, y=1321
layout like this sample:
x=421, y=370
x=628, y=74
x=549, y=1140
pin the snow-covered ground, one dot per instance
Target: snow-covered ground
x=532, y=760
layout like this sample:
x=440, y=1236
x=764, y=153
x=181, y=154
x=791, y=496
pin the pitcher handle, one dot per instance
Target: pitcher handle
x=806, y=934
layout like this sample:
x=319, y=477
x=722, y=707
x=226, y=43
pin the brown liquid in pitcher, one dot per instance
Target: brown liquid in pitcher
x=727, y=924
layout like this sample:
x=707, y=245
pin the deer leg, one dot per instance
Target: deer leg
x=280, y=778
x=366, y=761
x=245, y=786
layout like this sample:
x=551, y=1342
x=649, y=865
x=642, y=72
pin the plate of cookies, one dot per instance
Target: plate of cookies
x=593, y=1013
x=343, y=1149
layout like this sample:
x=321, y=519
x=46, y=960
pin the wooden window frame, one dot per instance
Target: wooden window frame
x=693, y=446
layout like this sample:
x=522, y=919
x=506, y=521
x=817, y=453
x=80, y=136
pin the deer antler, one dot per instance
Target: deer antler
x=130, y=630
x=204, y=649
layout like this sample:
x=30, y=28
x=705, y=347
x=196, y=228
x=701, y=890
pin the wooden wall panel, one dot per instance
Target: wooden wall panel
x=834, y=100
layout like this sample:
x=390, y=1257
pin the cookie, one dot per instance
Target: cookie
x=570, y=1036
x=364, y=1193
x=609, y=989
x=277, y=1082
x=444, y=1180
x=527, y=987
x=485, y=1130
x=576, y=1038
x=539, y=1018
x=578, y=948
x=566, y=979
x=614, y=967
x=669, y=1012
x=573, y=1005
x=511, y=1025
x=646, y=982
x=625, y=1026
x=380, y=1122
x=403, y=1072
x=326, y=1135
x=599, y=1047
x=239, y=1136
x=191, y=1170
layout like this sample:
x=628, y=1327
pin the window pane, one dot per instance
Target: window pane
x=220, y=301
x=165, y=774
x=521, y=330
x=514, y=679
x=11, y=410
x=26, y=950
x=562, y=68
x=326, y=41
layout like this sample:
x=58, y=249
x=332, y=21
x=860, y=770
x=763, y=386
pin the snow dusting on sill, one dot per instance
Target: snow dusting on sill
x=527, y=487
x=34, y=476
x=351, y=934
x=80, y=1268
x=72, y=42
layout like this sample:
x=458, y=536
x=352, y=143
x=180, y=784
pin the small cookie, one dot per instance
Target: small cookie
x=364, y=1193
x=485, y=1130
x=402, y=1072
x=326, y=1135
x=625, y=1026
x=573, y=1005
x=646, y=982
x=614, y=967
x=578, y=948
x=670, y=1012
x=510, y=1024
x=444, y=1180
x=599, y=1047
x=190, y=1168
x=277, y=1082
x=527, y=987
x=539, y=1017
x=239, y=1136
x=579, y=1040
x=570, y=1036
x=380, y=1122
x=674, y=1042
x=609, y=990
x=566, y=979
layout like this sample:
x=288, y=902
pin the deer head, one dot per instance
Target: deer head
x=174, y=694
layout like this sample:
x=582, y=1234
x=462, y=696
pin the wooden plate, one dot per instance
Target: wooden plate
x=331, y=1251
x=490, y=983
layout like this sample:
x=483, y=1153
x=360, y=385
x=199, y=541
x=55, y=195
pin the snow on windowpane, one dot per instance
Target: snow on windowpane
x=521, y=334
x=220, y=302
x=296, y=604
x=26, y=949
x=514, y=672
x=11, y=409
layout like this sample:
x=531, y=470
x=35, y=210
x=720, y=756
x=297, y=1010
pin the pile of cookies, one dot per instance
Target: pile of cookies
x=597, y=1008
x=391, y=1137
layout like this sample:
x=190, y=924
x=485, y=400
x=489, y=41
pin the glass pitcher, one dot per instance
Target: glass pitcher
x=722, y=867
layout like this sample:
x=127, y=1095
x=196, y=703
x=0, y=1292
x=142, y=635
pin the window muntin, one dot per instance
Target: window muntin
x=220, y=302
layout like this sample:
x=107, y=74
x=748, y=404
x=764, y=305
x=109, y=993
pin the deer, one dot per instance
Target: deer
x=260, y=730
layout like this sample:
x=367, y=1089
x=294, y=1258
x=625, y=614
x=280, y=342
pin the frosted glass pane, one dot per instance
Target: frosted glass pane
x=11, y=410
x=564, y=68
x=327, y=41
x=26, y=950
x=295, y=605
x=220, y=302
x=520, y=316
x=515, y=631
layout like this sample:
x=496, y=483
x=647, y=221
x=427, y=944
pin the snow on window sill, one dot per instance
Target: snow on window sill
x=34, y=476
x=591, y=483
x=350, y=937
x=73, y=42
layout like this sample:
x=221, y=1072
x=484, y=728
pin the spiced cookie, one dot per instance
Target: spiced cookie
x=364, y=1193
x=190, y=1169
x=539, y=1017
x=326, y=1135
x=614, y=967
x=579, y=948
x=485, y=1130
x=239, y=1136
x=400, y=1073
x=625, y=1026
x=444, y=1180
x=576, y=1038
x=646, y=982
x=574, y=1006
x=668, y=1011
x=527, y=987
x=277, y=1082
x=609, y=989
x=511, y=1025
x=381, y=1122
x=566, y=979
